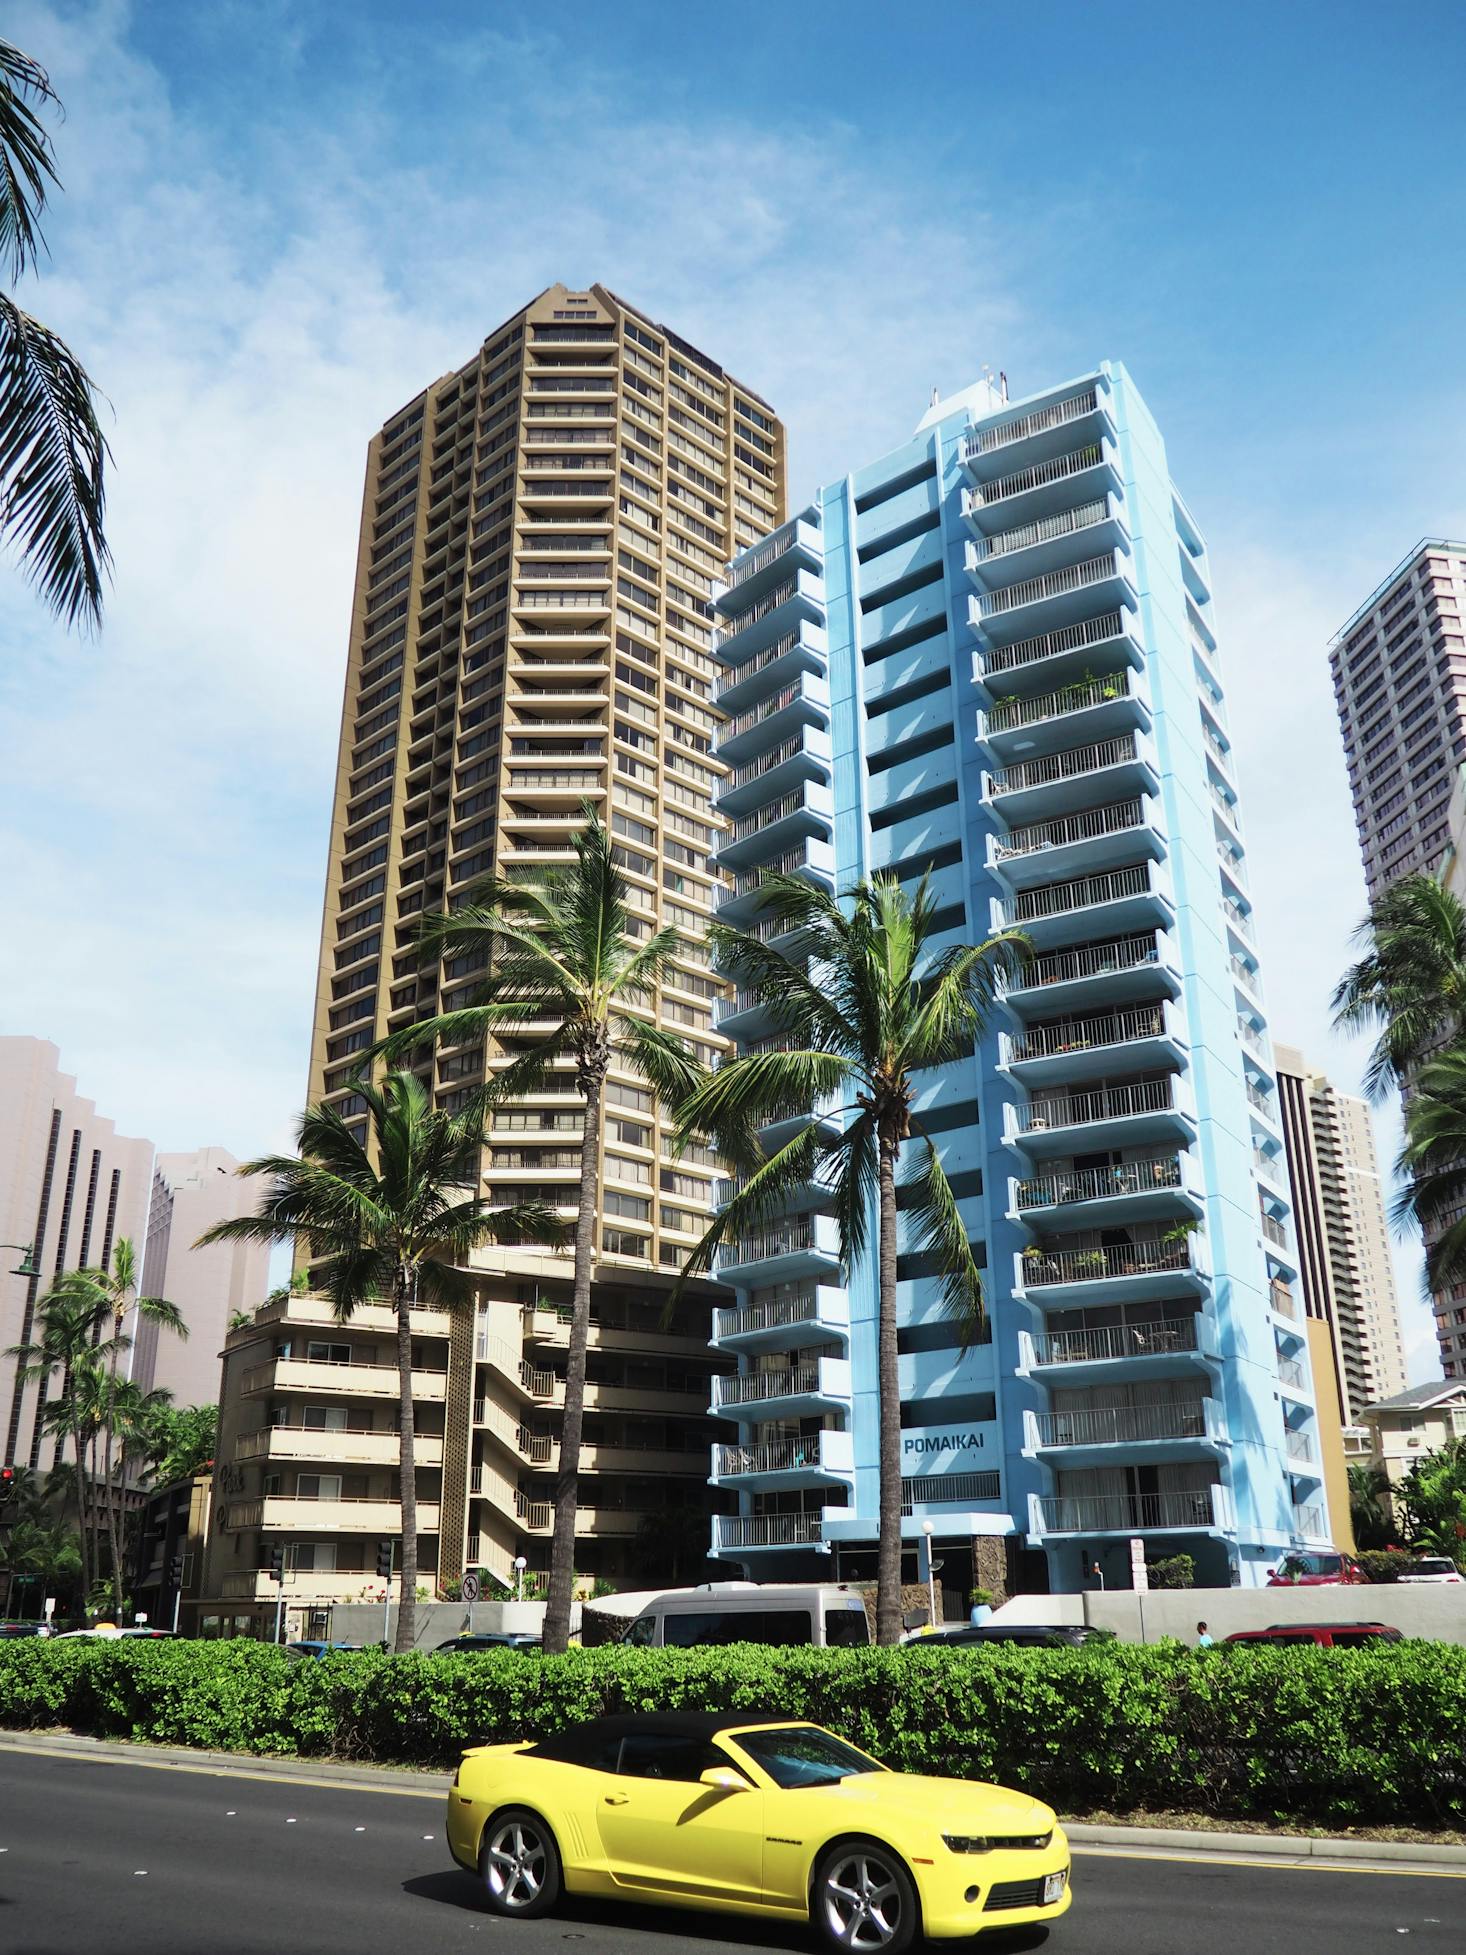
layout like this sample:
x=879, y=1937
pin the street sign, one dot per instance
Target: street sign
x=50, y=1607
x=470, y=1587
x=1139, y=1573
x=139, y=1617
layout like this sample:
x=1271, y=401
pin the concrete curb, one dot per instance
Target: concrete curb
x=1279, y=1849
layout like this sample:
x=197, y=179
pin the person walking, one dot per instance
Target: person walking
x=1204, y=1637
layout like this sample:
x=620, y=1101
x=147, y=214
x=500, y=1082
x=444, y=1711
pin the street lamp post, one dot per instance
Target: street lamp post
x=28, y=1266
x=931, y=1577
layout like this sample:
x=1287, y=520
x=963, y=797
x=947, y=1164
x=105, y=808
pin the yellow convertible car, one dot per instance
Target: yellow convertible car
x=750, y=1816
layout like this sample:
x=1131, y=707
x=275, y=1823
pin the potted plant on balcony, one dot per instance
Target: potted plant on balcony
x=1090, y=1262
x=1176, y=1240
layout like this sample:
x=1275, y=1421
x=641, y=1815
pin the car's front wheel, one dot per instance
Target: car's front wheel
x=863, y=1901
x=520, y=1864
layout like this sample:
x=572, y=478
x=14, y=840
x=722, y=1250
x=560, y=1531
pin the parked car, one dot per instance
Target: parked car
x=312, y=1647
x=1435, y=1568
x=1323, y=1635
x=1027, y=1635
x=778, y=1821
x=489, y=1640
x=1315, y=1568
x=782, y=1616
x=12, y=1629
x=143, y=1630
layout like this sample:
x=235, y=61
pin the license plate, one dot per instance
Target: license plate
x=1054, y=1885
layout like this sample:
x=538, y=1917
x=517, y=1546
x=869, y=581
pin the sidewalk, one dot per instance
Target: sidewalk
x=1280, y=1850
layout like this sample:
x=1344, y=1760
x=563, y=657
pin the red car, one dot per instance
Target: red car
x=1314, y=1568
x=1323, y=1635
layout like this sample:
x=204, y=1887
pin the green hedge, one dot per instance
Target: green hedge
x=1345, y=1736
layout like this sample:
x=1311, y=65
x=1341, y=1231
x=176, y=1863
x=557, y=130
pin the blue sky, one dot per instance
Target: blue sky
x=282, y=219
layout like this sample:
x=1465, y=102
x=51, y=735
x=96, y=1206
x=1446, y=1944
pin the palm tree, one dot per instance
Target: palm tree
x=107, y=1297
x=52, y=450
x=1410, y=985
x=864, y=1003
x=1369, y=1512
x=399, y=1228
x=562, y=948
x=70, y=1322
x=1433, y=1165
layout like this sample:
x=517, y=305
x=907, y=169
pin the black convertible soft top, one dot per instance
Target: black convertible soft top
x=579, y=1743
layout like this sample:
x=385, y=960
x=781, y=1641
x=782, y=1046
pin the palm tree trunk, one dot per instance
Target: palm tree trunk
x=888, y=1558
x=406, y=1466
x=81, y=1508
x=114, y=1542
x=556, y=1634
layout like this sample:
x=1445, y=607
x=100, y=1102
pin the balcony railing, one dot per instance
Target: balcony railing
x=1095, y=1184
x=985, y=441
x=1291, y=1372
x=766, y=1530
x=1252, y=1038
x=1139, y=1513
x=1045, y=1267
x=1245, y=974
x=787, y=804
x=1008, y=714
x=752, y=770
x=787, y=864
x=751, y=1387
x=1053, y=583
x=770, y=601
x=1048, y=644
x=800, y=1307
x=1280, y=1297
x=1113, y=819
x=1121, y=1425
x=1103, y=1103
x=1309, y=1522
x=1042, y=531
x=948, y=1489
x=762, y=1244
x=1097, y=960
x=1084, y=1034
x=741, y=722
x=1262, y=1101
x=772, y=547
x=1039, y=476
x=1064, y=766
x=1060, y=898
x=775, y=1456
x=1298, y=1445
x=1164, y=1337
x=788, y=643
x=1274, y=1232
x=1237, y=915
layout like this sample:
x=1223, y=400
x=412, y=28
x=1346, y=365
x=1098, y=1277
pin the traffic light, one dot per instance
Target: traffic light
x=384, y=1559
x=175, y=1570
x=277, y=1564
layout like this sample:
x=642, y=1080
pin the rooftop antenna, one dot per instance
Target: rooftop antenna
x=1003, y=387
x=936, y=396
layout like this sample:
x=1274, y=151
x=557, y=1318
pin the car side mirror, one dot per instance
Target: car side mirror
x=722, y=1778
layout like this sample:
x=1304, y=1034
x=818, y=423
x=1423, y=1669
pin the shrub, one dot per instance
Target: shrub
x=1174, y=1571
x=1341, y=1736
x=1387, y=1564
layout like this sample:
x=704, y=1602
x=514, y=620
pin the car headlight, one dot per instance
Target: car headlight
x=996, y=1842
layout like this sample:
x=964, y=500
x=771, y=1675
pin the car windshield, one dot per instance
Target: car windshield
x=1312, y=1564
x=1434, y=1565
x=801, y=1755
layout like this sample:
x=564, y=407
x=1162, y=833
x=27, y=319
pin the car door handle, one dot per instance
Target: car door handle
x=617, y=1799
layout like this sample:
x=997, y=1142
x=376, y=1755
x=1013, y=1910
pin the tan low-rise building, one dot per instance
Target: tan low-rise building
x=1412, y=1424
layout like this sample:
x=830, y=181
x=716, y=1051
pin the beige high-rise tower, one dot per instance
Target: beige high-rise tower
x=541, y=534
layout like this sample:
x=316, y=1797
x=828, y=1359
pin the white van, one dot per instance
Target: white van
x=821, y=1615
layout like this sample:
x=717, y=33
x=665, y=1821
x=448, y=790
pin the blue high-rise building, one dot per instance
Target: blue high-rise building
x=990, y=657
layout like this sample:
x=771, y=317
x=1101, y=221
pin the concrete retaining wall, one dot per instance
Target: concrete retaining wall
x=361, y=1622
x=1438, y=1613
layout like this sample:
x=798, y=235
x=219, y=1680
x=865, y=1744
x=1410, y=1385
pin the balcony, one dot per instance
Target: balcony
x=315, y=1585
x=802, y=1246
x=1148, y=1267
x=1131, y=1191
x=801, y=1390
x=1027, y=494
x=1047, y=543
x=777, y=614
x=733, y=1533
x=1090, y=709
x=1280, y=1296
x=1071, y=1049
x=803, y=700
x=298, y=1514
x=1139, y=1112
x=799, y=651
x=1072, y=595
x=923, y=1493
x=1097, y=974
x=1041, y=434
x=802, y=757
x=1123, y=900
x=774, y=828
x=1068, y=656
x=1088, y=843
x=796, y=544
x=1292, y=1378
x=810, y=1459
x=1095, y=1351
x=1298, y=1446
x=1061, y=783
x=1161, y=1431
x=813, y=859
x=336, y=1445
x=807, y=1313
x=339, y=1380
x=1205, y=1510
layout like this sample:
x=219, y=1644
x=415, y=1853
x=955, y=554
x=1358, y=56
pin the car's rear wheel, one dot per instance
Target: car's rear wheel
x=863, y=1901
x=520, y=1864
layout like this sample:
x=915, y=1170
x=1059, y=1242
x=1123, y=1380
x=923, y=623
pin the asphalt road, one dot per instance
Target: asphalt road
x=129, y=1859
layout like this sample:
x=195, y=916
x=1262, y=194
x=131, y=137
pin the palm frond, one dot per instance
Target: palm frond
x=53, y=458
x=759, y=1088
x=942, y=1235
x=856, y=1161
x=27, y=167
x=763, y=1195
x=663, y=1059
